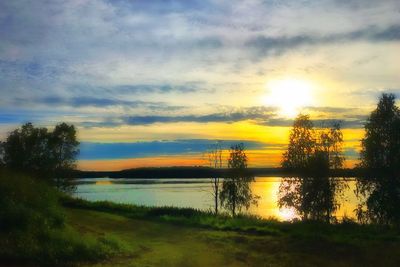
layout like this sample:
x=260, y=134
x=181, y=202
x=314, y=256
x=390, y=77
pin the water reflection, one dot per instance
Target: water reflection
x=195, y=193
x=268, y=190
x=313, y=198
x=379, y=199
x=103, y=182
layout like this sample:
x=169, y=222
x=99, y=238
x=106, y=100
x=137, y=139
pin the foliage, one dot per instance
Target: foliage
x=311, y=154
x=27, y=205
x=33, y=227
x=381, y=144
x=301, y=144
x=42, y=153
x=214, y=156
x=307, y=144
x=380, y=157
x=330, y=143
x=236, y=192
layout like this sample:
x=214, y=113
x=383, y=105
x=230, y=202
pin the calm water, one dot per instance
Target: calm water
x=195, y=193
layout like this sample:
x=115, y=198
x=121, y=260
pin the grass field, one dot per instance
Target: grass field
x=156, y=243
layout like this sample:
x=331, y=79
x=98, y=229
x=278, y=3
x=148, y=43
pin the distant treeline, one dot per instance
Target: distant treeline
x=197, y=172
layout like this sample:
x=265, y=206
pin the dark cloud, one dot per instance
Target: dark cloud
x=260, y=115
x=276, y=45
x=164, y=88
x=333, y=109
x=254, y=113
x=90, y=150
x=348, y=123
x=165, y=6
x=79, y=102
x=389, y=34
x=91, y=102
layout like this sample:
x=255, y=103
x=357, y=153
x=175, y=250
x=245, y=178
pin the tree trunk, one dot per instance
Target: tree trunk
x=216, y=201
x=234, y=208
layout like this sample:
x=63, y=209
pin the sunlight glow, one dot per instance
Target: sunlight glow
x=289, y=95
x=287, y=214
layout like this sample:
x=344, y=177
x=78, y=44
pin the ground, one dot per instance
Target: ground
x=149, y=243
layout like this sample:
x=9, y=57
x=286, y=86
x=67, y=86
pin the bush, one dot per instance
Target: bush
x=27, y=205
x=33, y=227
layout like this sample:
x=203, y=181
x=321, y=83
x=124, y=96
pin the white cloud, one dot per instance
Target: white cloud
x=91, y=48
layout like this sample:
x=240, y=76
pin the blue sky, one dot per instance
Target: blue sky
x=147, y=71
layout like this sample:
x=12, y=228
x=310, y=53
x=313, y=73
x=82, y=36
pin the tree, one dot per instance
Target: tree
x=215, y=161
x=26, y=149
x=41, y=153
x=301, y=144
x=236, y=192
x=330, y=142
x=381, y=144
x=380, y=158
x=311, y=154
x=64, y=149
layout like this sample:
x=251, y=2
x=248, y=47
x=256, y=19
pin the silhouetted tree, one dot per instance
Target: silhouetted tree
x=214, y=156
x=380, y=158
x=38, y=152
x=301, y=144
x=311, y=154
x=236, y=192
x=330, y=142
x=1, y=155
x=26, y=149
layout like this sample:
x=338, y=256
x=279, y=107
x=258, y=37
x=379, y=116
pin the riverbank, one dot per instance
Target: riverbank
x=197, y=172
x=186, y=237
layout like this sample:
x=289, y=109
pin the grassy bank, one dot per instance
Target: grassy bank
x=153, y=239
x=345, y=232
x=34, y=231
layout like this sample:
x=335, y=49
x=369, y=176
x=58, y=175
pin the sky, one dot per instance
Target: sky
x=155, y=83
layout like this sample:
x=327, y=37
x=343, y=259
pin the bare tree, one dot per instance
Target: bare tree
x=214, y=157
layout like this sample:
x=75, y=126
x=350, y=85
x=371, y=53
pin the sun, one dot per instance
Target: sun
x=289, y=95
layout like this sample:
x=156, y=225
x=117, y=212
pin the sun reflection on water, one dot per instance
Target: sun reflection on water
x=195, y=193
x=103, y=182
x=268, y=190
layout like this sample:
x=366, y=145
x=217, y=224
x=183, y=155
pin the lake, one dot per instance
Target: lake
x=196, y=193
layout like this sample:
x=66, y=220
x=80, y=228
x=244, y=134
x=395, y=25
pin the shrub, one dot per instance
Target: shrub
x=33, y=227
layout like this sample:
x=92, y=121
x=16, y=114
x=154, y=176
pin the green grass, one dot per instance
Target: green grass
x=33, y=229
x=179, y=216
x=36, y=230
x=347, y=231
x=154, y=241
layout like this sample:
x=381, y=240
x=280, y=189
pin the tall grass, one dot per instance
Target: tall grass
x=33, y=228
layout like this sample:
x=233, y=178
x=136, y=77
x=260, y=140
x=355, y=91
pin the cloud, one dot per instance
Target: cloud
x=108, y=63
x=189, y=87
x=346, y=123
x=78, y=102
x=333, y=109
x=259, y=115
x=266, y=45
x=90, y=150
x=253, y=113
